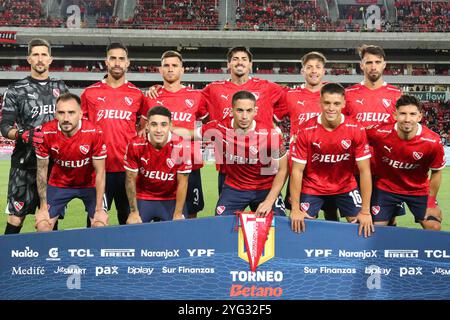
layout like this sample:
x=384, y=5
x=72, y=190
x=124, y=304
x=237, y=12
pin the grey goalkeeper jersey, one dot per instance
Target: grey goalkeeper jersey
x=28, y=103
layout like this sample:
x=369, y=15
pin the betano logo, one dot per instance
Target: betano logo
x=256, y=240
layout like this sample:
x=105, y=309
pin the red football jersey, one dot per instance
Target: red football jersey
x=371, y=107
x=330, y=156
x=115, y=111
x=404, y=164
x=157, y=169
x=247, y=157
x=268, y=98
x=301, y=105
x=186, y=106
x=72, y=156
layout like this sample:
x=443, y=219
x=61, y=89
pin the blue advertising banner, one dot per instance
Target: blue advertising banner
x=206, y=259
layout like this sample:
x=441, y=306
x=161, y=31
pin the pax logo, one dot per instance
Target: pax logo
x=346, y=143
x=18, y=205
x=375, y=210
x=304, y=206
x=170, y=163
x=84, y=149
x=410, y=271
x=128, y=101
x=417, y=155
x=189, y=103
x=256, y=239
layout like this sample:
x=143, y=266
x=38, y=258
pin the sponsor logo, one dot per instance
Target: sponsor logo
x=56, y=92
x=220, y=210
x=160, y=254
x=56, y=149
x=410, y=271
x=365, y=254
x=400, y=165
x=318, y=253
x=42, y=110
x=360, y=101
x=117, y=253
x=438, y=254
x=328, y=270
x=18, y=205
x=346, y=143
x=189, y=103
x=317, y=144
x=417, y=155
x=372, y=116
x=160, y=102
x=27, y=253
x=181, y=116
x=81, y=253
x=33, y=96
x=256, y=238
x=375, y=269
x=375, y=210
x=28, y=271
x=388, y=149
x=224, y=96
x=145, y=160
x=140, y=270
x=103, y=99
x=128, y=101
x=301, y=102
x=401, y=253
x=189, y=270
x=330, y=158
x=305, y=206
x=84, y=149
x=73, y=164
x=114, y=114
x=70, y=270
x=441, y=271
x=239, y=290
x=201, y=252
x=53, y=255
x=106, y=270
x=157, y=175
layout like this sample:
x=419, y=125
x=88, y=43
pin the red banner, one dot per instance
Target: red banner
x=8, y=37
x=367, y=1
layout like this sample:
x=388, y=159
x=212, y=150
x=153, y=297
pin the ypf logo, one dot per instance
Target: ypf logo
x=128, y=100
x=417, y=155
x=189, y=103
x=346, y=143
x=84, y=149
x=375, y=210
x=256, y=239
x=170, y=163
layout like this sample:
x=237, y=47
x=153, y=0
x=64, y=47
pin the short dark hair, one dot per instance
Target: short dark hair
x=172, y=54
x=371, y=49
x=243, y=95
x=116, y=45
x=406, y=100
x=38, y=42
x=160, y=111
x=313, y=55
x=332, y=88
x=66, y=96
x=232, y=51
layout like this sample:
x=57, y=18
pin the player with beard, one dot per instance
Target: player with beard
x=113, y=104
x=27, y=104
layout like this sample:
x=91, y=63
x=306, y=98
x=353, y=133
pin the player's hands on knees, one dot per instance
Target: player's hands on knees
x=435, y=212
x=264, y=208
x=298, y=220
x=152, y=92
x=101, y=219
x=42, y=218
x=365, y=224
x=178, y=216
x=134, y=218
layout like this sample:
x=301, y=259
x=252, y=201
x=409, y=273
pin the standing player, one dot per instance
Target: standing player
x=324, y=155
x=187, y=106
x=219, y=93
x=372, y=101
x=77, y=150
x=405, y=152
x=255, y=158
x=158, y=166
x=113, y=104
x=27, y=104
x=303, y=104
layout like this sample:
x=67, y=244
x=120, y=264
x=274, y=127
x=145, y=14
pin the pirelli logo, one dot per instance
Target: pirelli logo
x=401, y=253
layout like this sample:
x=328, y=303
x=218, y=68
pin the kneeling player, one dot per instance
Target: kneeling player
x=78, y=154
x=324, y=155
x=405, y=152
x=255, y=158
x=157, y=171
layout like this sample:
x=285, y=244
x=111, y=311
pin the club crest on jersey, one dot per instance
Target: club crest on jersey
x=346, y=143
x=305, y=206
x=84, y=149
x=387, y=102
x=375, y=210
x=253, y=150
x=128, y=100
x=189, y=103
x=170, y=163
x=18, y=205
x=256, y=94
x=56, y=92
x=417, y=155
x=220, y=210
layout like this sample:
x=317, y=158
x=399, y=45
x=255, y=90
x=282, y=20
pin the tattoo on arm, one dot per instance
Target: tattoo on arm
x=130, y=187
x=41, y=179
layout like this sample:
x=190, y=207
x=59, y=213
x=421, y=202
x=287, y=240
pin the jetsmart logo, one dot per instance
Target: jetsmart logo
x=256, y=239
x=401, y=253
x=117, y=253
